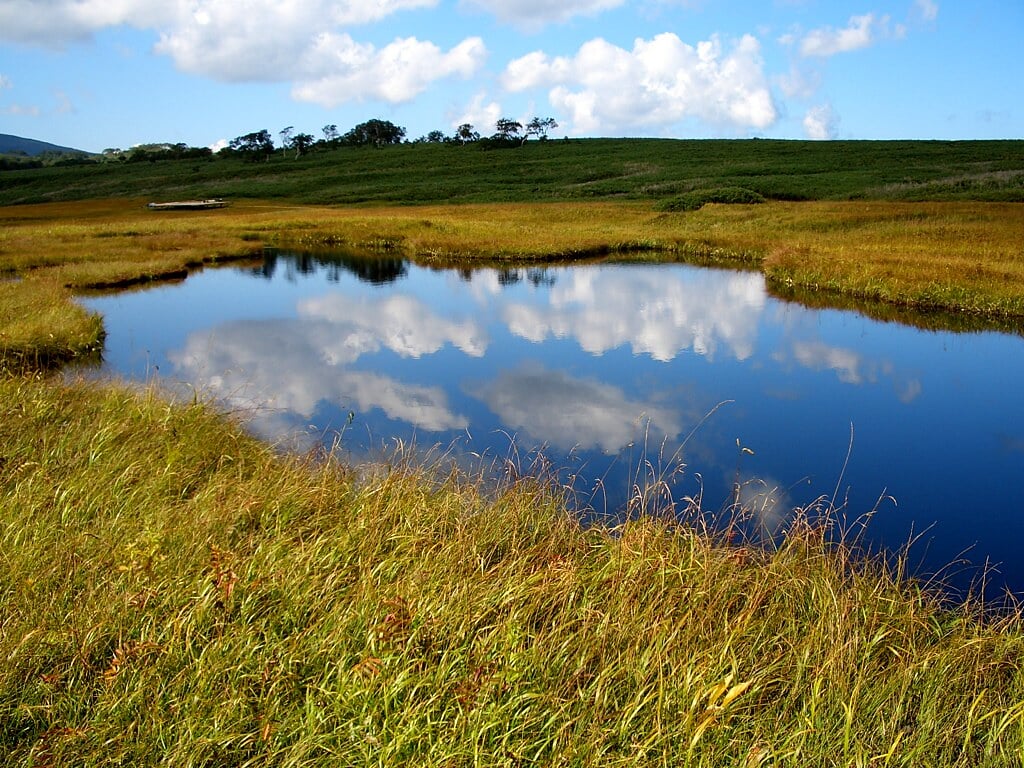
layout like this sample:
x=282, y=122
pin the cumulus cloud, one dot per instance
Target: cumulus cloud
x=396, y=73
x=282, y=370
x=566, y=412
x=656, y=84
x=5, y=82
x=480, y=113
x=846, y=363
x=821, y=122
x=402, y=324
x=304, y=43
x=654, y=312
x=301, y=41
x=860, y=32
x=54, y=23
x=533, y=14
x=277, y=369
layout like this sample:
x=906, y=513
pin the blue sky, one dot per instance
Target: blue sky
x=94, y=74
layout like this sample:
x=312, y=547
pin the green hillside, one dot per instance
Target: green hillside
x=637, y=169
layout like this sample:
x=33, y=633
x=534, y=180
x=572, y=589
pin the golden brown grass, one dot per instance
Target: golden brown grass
x=174, y=593
x=963, y=257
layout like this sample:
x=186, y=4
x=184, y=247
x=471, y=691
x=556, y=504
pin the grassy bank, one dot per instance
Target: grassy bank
x=646, y=170
x=965, y=258
x=175, y=594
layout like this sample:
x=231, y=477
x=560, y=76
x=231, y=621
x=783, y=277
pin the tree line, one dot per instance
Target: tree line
x=259, y=145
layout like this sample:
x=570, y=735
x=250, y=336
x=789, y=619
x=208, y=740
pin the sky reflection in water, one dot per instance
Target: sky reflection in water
x=595, y=363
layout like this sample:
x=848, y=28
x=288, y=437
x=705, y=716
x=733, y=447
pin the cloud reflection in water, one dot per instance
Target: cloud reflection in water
x=655, y=311
x=566, y=412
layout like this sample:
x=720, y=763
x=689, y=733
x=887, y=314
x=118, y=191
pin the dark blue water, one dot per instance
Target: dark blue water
x=621, y=376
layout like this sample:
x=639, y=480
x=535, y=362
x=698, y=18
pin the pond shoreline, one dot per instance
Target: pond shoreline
x=892, y=253
x=171, y=581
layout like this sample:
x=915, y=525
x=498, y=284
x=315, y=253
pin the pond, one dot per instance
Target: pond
x=614, y=375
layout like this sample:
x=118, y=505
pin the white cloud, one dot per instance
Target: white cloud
x=403, y=324
x=300, y=41
x=273, y=39
x=821, y=122
x=396, y=73
x=482, y=116
x=655, y=312
x=254, y=41
x=566, y=412
x=284, y=369
x=5, y=82
x=292, y=42
x=533, y=14
x=849, y=366
x=927, y=9
x=54, y=23
x=657, y=84
x=818, y=356
x=860, y=32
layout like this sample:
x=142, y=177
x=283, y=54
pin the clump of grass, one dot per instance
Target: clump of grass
x=176, y=593
x=40, y=327
x=697, y=199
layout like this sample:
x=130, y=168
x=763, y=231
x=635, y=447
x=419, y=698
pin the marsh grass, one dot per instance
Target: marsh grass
x=175, y=593
x=966, y=258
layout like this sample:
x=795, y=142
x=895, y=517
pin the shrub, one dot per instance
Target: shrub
x=696, y=199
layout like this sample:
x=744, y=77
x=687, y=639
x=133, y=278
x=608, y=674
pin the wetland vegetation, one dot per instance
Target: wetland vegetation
x=175, y=592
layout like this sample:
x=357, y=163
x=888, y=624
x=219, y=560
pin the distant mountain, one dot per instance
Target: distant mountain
x=31, y=147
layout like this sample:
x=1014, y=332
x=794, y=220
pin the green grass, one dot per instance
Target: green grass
x=588, y=169
x=174, y=593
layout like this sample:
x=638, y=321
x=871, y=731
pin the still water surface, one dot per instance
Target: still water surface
x=598, y=364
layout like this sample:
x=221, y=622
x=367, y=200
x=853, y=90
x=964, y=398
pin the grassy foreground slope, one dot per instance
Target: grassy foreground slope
x=176, y=594
x=634, y=169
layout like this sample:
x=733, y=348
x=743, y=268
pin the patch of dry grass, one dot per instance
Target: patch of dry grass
x=962, y=257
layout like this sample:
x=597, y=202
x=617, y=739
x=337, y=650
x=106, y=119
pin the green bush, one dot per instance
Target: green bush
x=697, y=199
